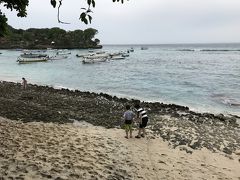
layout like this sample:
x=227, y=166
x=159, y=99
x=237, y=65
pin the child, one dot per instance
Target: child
x=24, y=83
x=128, y=120
x=143, y=120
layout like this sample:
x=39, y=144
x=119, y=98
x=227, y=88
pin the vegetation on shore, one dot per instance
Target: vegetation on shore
x=49, y=38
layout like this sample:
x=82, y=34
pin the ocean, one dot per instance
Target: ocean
x=204, y=77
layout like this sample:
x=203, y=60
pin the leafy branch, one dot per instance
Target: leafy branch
x=85, y=15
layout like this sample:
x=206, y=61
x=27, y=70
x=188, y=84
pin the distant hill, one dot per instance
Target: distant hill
x=49, y=38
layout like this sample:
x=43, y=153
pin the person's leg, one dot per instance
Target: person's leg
x=144, y=124
x=126, y=133
x=126, y=129
x=139, y=133
x=144, y=132
x=131, y=132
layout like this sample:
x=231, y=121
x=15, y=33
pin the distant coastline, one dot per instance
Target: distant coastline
x=54, y=38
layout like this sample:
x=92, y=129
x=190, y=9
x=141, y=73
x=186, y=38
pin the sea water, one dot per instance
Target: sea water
x=204, y=77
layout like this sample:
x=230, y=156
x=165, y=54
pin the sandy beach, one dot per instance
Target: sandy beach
x=63, y=134
x=37, y=150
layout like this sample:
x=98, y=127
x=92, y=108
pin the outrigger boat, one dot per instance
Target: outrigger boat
x=31, y=57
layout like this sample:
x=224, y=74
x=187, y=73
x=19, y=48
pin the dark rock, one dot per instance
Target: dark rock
x=227, y=151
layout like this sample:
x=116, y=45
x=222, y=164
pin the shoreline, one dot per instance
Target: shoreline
x=176, y=124
x=48, y=133
x=122, y=96
x=125, y=99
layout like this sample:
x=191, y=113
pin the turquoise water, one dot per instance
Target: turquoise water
x=205, y=77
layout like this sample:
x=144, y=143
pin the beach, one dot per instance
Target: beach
x=63, y=134
x=79, y=150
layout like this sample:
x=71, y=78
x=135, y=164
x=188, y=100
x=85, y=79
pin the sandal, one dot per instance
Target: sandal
x=137, y=136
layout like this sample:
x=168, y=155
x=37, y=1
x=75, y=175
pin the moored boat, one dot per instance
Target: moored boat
x=22, y=60
x=144, y=48
x=32, y=57
x=58, y=57
x=63, y=52
x=93, y=60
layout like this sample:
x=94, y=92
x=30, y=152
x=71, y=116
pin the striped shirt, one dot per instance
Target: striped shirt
x=141, y=113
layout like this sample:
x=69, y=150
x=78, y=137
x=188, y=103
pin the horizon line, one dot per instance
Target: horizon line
x=169, y=43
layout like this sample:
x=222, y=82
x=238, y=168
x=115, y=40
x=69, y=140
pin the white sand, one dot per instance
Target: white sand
x=81, y=151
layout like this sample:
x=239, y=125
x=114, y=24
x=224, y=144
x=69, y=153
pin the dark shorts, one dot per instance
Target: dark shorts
x=128, y=121
x=128, y=124
x=144, y=122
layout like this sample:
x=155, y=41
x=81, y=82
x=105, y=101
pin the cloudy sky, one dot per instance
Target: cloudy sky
x=143, y=21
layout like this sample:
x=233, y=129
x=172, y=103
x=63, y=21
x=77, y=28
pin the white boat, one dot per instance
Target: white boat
x=93, y=55
x=32, y=57
x=58, y=57
x=63, y=52
x=22, y=60
x=117, y=57
x=93, y=60
x=125, y=55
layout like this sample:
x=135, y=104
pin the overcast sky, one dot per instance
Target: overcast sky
x=142, y=21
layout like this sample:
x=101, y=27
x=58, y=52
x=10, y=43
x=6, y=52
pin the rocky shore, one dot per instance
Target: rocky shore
x=176, y=124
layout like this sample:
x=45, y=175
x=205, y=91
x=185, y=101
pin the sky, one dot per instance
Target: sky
x=142, y=21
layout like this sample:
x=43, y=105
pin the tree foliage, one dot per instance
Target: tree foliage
x=20, y=7
x=42, y=38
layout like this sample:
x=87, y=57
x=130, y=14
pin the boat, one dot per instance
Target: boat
x=22, y=60
x=117, y=57
x=94, y=55
x=125, y=55
x=58, y=57
x=144, y=48
x=131, y=50
x=93, y=60
x=32, y=57
x=77, y=55
x=63, y=52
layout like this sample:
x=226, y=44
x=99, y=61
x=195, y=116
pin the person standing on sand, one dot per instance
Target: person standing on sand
x=143, y=120
x=24, y=83
x=128, y=121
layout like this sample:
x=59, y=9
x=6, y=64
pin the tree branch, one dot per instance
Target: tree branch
x=58, y=15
